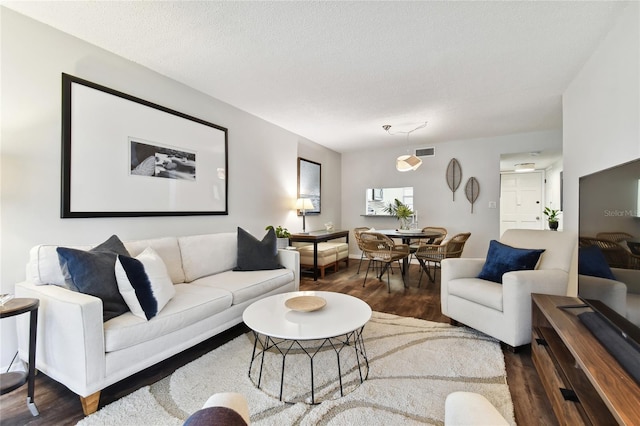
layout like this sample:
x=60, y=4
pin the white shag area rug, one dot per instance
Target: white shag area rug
x=414, y=365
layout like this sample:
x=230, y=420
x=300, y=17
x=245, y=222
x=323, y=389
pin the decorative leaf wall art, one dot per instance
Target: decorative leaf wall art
x=472, y=190
x=454, y=176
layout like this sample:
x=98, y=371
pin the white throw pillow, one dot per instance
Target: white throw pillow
x=144, y=283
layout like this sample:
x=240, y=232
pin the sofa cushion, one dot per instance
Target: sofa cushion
x=169, y=251
x=144, y=283
x=189, y=305
x=482, y=292
x=247, y=285
x=502, y=258
x=256, y=255
x=591, y=261
x=327, y=254
x=93, y=272
x=204, y=255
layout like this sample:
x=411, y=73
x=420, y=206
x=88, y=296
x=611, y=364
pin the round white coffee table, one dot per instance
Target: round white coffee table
x=336, y=326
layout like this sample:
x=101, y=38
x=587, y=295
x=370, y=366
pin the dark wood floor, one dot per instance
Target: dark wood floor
x=59, y=406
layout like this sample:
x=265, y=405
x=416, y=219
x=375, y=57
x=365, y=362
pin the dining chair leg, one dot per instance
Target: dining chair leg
x=360, y=264
x=367, y=273
x=433, y=277
x=384, y=269
x=388, y=281
x=423, y=267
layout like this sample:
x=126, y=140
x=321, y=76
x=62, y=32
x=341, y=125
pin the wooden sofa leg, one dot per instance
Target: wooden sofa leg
x=90, y=403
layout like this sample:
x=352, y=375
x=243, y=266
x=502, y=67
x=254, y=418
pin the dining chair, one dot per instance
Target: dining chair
x=616, y=255
x=413, y=246
x=435, y=253
x=616, y=237
x=356, y=233
x=382, y=251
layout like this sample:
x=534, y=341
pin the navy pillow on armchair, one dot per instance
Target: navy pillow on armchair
x=591, y=261
x=502, y=258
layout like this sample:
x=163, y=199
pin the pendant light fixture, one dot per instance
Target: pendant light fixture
x=407, y=162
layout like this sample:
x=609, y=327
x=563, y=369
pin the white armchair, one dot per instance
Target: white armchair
x=621, y=294
x=503, y=310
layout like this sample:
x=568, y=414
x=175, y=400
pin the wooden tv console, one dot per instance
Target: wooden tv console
x=584, y=383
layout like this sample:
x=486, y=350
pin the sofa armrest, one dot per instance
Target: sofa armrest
x=517, y=287
x=70, y=339
x=290, y=259
x=612, y=293
x=630, y=277
x=461, y=268
x=453, y=269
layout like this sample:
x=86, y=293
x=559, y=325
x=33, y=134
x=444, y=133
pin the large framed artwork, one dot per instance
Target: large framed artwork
x=123, y=157
x=309, y=178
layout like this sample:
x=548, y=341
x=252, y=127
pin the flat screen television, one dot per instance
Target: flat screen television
x=609, y=218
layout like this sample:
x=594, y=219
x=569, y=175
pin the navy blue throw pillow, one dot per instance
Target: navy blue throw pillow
x=255, y=255
x=93, y=272
x=502, y=258
x=591, y=261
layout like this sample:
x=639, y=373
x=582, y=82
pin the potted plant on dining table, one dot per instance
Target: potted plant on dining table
x=401, y=211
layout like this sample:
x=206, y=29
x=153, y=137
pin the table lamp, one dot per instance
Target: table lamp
x=304, y=204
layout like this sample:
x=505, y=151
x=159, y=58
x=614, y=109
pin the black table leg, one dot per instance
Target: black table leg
x=33, y=325
x=315, y=261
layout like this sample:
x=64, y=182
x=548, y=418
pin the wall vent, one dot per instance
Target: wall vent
x=426, y=152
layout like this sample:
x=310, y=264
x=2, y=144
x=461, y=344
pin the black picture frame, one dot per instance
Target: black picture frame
x=310, y=183
x=123, y=156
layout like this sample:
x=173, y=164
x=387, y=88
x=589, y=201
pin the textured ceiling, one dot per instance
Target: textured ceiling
x=335, y=72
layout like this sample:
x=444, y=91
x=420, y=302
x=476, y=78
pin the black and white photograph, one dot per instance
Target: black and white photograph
x=148, y=159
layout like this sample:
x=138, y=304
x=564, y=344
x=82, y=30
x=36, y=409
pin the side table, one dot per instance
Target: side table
x=14, y=379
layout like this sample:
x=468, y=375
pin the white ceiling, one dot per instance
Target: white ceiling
x=335, y=72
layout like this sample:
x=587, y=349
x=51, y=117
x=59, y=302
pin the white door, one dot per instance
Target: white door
x=521, y=200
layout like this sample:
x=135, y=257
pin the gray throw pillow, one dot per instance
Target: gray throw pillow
x=93, y=272
x=255, y=255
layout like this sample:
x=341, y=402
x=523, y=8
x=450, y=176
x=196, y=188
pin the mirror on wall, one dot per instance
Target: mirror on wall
x=376, y=199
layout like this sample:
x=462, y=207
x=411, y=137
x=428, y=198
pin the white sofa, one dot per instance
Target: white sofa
x=503, y=310
x=76, y=348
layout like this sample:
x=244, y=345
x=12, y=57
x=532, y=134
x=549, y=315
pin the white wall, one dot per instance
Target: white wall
x=601, y=109
x=552, y=189
x=262, y=157
x=432, y=198
x=601, y=112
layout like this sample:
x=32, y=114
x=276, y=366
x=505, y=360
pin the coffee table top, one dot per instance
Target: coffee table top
x=341, y=315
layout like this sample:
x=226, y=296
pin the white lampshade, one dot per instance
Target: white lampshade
x=406, y=163
x=304, y=204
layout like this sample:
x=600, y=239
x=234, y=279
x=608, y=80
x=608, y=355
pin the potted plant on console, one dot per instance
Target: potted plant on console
x=552, y=218
x=401, y=211
x=282, y=234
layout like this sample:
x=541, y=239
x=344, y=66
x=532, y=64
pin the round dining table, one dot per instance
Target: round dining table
x=406, y=236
